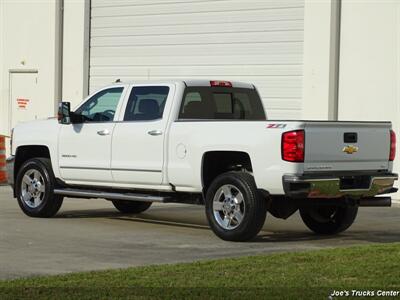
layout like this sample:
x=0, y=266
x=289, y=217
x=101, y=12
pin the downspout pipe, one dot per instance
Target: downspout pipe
x=334, y=60
x=59, y=30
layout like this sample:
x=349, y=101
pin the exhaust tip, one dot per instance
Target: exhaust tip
x=376, y=202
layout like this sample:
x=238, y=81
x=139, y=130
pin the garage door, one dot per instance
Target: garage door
x=257, y=41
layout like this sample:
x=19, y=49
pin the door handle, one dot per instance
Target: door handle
x=103, y=132
x=155, y=132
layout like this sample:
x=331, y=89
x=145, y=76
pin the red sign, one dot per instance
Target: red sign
x=22, y=103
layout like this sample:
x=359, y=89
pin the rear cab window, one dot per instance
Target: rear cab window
x=221, y=103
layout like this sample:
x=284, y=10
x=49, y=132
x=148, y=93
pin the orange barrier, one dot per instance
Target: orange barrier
x=3, y=170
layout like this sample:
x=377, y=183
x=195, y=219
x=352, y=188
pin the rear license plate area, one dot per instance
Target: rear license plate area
x=355, y=182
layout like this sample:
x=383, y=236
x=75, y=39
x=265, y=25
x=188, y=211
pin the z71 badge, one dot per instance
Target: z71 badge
x=276, y=125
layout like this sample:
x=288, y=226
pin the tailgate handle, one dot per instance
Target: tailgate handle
x=350, y=137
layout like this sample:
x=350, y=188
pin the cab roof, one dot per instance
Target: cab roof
x=192, y=82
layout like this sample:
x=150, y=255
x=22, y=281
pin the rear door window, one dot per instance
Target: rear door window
x=216, y=103
x=146, y=103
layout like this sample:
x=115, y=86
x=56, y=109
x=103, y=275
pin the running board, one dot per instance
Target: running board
x=80, y=193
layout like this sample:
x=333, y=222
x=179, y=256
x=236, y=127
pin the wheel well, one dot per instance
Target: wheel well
x=218, y=162
x=25, y=153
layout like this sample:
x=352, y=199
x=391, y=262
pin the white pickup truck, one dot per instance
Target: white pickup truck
x=205, y=142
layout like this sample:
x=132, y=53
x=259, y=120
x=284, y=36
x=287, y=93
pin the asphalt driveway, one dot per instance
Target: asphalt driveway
x=92, y=235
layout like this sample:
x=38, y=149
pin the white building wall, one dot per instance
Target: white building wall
x=75, y=50
x=320, y=53
x=369, y=81
x=27, y=42
x=3, y=91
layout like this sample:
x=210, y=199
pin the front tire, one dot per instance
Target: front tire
x=131, y=207
x=329, y=219
x=234, y=208
x=34, y=188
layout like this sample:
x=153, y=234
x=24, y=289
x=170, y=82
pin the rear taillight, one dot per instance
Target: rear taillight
x=293, y=146
x=392, y=145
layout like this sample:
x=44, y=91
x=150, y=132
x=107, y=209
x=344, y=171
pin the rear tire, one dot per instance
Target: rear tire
x=234, y=208
x=131, y=207
x=329, y=219
x=34, y=187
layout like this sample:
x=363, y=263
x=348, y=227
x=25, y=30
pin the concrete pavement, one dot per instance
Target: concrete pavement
x=92, y=235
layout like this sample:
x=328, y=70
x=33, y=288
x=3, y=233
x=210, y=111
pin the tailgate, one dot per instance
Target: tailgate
x=346, y=146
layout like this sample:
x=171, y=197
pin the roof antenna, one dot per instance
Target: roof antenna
x=118, y=80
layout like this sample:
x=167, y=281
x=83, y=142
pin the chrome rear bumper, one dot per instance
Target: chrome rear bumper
x=338, y=186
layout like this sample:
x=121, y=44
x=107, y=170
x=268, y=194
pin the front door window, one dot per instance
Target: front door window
x=101, y=107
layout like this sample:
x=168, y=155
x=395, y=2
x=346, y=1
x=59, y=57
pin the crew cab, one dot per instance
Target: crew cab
x=202, y=142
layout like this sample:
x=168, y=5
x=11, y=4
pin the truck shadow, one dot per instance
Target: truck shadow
x=176, y=220
x=192, y=218
x=87, y=214
x=265, y=236
x=163, y=221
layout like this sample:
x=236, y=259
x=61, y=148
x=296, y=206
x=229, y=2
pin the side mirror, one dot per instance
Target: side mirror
x=64, y=113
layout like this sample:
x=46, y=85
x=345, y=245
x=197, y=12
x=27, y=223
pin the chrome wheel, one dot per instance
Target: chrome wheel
x=228, y=207
x=32, y=188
